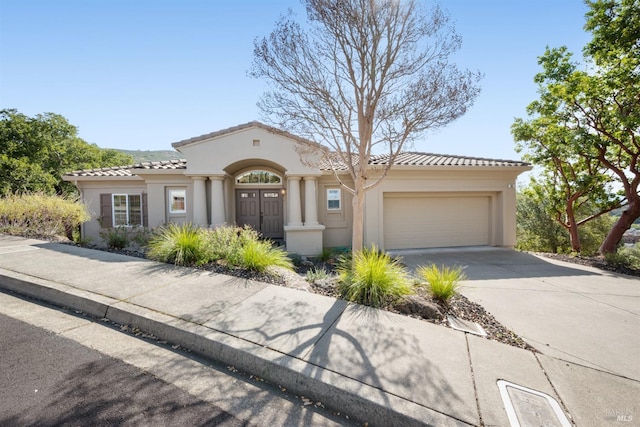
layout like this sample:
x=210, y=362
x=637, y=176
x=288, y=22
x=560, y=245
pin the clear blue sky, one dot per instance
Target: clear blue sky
x=141, y=74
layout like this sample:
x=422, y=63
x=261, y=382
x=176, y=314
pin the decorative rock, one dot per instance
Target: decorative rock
x=417, y=305
x=291, y=279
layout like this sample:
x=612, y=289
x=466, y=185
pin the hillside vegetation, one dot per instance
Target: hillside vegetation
x=140, y=156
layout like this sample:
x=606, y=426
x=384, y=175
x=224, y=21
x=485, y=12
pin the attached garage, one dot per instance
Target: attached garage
x=432, y=220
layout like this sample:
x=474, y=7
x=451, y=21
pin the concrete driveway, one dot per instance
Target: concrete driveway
x=579, y=314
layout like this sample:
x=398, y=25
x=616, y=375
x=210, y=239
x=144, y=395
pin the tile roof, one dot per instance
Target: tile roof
x=426, y=159
x=403, y=159
x=129, y=170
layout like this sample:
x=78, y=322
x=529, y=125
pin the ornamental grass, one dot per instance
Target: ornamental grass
x=443, y=281
x=372, y=277
x=257, y=255
x=178, y=244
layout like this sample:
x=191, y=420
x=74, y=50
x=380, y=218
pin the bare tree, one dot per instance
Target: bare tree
x=363, y=77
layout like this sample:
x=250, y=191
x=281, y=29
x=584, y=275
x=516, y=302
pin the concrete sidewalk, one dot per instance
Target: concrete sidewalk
x=379, y=367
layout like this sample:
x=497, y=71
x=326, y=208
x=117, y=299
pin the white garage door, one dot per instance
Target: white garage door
x=431, y=221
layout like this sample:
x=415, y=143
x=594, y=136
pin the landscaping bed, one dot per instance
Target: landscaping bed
x=592, y=261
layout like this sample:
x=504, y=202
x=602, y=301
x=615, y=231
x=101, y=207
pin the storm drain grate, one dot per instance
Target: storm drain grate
x=528, y=407
x=465, y=326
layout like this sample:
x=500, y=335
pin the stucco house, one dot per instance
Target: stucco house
x=280, y=185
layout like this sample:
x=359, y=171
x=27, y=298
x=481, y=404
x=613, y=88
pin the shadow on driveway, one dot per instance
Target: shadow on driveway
x=488, y=263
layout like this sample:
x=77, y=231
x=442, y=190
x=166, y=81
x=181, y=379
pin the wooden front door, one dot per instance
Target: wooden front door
x=262, y=210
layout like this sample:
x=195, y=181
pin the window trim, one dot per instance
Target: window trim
x=127, y=210
x=339, y=199
x=183, y=194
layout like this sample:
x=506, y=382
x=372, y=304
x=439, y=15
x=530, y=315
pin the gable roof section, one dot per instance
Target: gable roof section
x=130, y=170
x=239, y=128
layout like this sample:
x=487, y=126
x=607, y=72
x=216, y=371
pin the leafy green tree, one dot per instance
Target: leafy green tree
x=361, y=76
x=585, y=126
x=539, y=229
x=568, y=181
x=36, y=151
x=536, y=230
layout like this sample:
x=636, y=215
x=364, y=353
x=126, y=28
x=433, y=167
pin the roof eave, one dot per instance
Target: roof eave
x=77, y=178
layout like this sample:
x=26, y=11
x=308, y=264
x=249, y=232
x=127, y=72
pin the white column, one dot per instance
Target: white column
x=217, y=201
x=199, y=201
x=295, y=208
x=310, y=203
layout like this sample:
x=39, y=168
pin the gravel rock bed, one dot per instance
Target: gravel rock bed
x=459, y=306
x=463, y=308
x=589, y=261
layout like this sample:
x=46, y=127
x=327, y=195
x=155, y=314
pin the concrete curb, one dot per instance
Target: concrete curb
x=341, y=393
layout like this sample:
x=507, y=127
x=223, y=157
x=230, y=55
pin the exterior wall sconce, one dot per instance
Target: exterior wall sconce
x=283, y=191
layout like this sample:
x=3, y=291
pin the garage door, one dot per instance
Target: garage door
x=431, y=221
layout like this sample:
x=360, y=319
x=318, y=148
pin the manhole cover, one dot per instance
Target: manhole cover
x=465, y=326
x=528, y=407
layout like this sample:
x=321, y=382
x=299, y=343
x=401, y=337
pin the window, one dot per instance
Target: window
x=334, y=199
x=258, y=177
x=127, y=210
x=177, y=201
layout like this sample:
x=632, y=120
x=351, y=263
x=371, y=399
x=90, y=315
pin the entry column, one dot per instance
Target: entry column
x=310, y=203
x=295, y=209
x=199, y=200
x=217, y=201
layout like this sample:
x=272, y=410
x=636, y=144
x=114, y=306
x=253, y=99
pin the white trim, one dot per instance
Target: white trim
x=339, y=199
x=127, y=210
x=184, y=200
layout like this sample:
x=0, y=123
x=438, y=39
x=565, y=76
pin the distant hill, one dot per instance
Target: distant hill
x=151, y=155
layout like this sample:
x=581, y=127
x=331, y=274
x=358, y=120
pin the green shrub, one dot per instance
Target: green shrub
x=625, y=258
x=41, y=215
x=316, y=274
x=296, y=259
x=115, y=238
x=179, y=244
x=444, y=282
x=257, y=255
x=225, y=243
x=373, y=278
x=326, y=254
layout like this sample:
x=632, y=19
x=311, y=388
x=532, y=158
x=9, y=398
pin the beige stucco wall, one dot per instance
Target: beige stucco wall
x=338, y=223
x=90, y=192
x=157, y=185
x=214, y=155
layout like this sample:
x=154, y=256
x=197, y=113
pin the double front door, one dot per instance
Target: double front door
x=262, y=210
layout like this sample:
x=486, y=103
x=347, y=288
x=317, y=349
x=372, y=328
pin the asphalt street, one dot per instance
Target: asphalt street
x=50, y=380
x=61, y=368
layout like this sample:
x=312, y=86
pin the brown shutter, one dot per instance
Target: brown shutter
x=145, y=210
x=106, y=211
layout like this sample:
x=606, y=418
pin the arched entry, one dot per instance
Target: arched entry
x=259, y=202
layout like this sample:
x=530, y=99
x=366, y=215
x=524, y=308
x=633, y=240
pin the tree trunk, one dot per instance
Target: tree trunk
x=357, y=235
x=574, y=236
x=629, y=215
